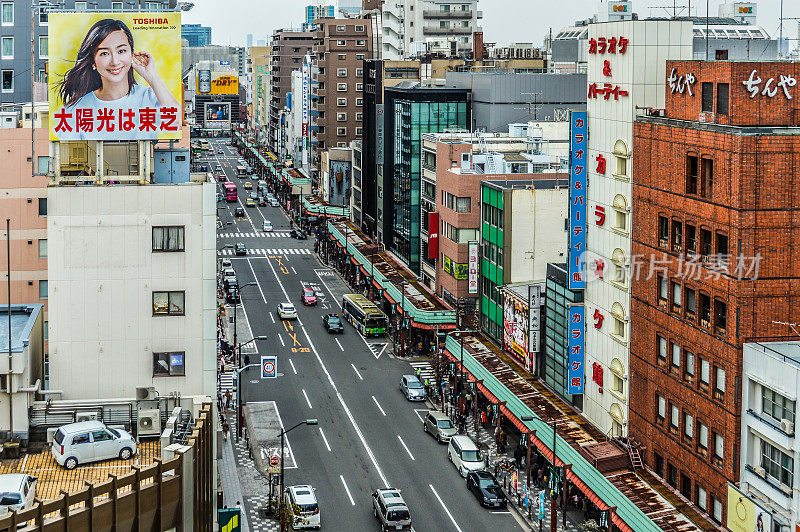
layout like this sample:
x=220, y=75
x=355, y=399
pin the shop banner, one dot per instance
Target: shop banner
x=473, y=267
x=576, y=316
x=433, y=235
x=579, y=144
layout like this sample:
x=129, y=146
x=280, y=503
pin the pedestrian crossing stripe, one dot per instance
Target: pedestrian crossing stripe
x=423, y=371
x=277, y=234
x=265, y=252
x=226, y=380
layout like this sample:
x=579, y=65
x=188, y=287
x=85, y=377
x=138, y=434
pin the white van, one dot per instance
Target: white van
x=90, y=441
x=465, y=455
x=302, y=504
x=17, y=492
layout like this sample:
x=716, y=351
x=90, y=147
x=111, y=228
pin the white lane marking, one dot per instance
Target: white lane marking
x=324, y=439
x=340, y=344
x=405, y=447
x=379, y=406
x=293, y=270
x=335, y=389
x=416, y=411
x=293, y=368
x=271, y=317
x=347, y=490
x=285, y=294
x=289, y=445
x=281, y=339
x=354, y=369
x=307, y=401
x=445, y=508
x=255, y=278
x=382, y=350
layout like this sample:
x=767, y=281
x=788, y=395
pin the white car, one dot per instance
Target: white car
x=226, y=264
x=17, y=492
x=286, y=311
x=302, y=504
x=266, y=226
x=90, y=441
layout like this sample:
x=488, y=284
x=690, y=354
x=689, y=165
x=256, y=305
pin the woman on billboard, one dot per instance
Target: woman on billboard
x=102, y=78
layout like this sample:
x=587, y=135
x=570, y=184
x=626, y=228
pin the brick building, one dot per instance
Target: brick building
x=714, y=188
x=341, y=46
x=288, y=49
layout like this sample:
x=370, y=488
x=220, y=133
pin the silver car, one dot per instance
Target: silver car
x=438, y=425
x=412, y=388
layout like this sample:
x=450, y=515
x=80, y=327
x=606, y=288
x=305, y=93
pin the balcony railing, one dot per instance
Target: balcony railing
x=436, y=30
x=436, y=13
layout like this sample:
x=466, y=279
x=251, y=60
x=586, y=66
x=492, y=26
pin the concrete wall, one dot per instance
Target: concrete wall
x=537, y=232
x=102, y=276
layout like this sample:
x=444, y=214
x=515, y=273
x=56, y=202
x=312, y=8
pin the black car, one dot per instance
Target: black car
x=240, y=249
x=239, y=212
x=484, y=486
x=298, y=234
x=333, y=323
x=232, y=295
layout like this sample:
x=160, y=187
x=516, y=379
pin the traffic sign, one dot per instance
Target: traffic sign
x=274, y=460
x=269, y=367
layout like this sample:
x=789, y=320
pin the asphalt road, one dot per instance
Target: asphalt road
x=369, y=435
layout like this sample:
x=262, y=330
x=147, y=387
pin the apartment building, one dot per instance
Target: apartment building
x=289, y=47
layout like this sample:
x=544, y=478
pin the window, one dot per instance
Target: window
x=722, y=98
x=80, y=6
x=676, y=296
x=360, y=117
x=663, y=290
x=341, y=87
x=677, y=236
x=340, y=43
x=720, y=316
x=676, y=355
x=361, y=42
x=691, y=174
x=702, y=440
x=705, y=372
x=674, y=416
x=705, y=242
x=722, y=245
x=43, y=47
x=620, y=214
x=359, y=57
x=708, y=97
x=43, y=18
x=359, y=72
x=341, y=102
x=702, y=498
x=688, y=425
x=341, y=72
x=342, y=57
x=341, y=131
x=719, y=446
x=168, y=238
x=341, y=117
x=42, y=206
x=7, y=13
x=116, y=6
x=169, y=364
x=43, y=289
x=618, y=384
x=168, y=303
x=691, y=238
x=719, y=380
x=8, y=80
x=705, y=310
x=359, y=101
x=688, y=360
x=621, y=157
x=662, y=407
x=658, y=464
x=620, y=276
x=707, y=178
x=619, y=322
x=455, y=203
x=42, y=164
x=716, y=506
x=7, y=45
x=359, y=87
x=359, y=130
x=776, y=405
x=359, y=28
x=340, y=29
x=42, y=248
x=661, y=345
x=663, y=231
x=777, y=464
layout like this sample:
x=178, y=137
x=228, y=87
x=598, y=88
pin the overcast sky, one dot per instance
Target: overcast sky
x=504, y=21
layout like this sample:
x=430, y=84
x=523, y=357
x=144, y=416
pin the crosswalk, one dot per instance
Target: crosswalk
x=288, y=251
x=423, y=370
x=226, y=381
x=272, y=234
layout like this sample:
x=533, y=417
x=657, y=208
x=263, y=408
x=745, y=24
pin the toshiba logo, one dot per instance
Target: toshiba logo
x=150, y=21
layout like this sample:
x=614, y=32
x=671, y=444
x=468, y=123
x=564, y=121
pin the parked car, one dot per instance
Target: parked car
x=390, y=509
x=250, y=202
x=298, y=234
x=90, y=441
x=239, y=212
x=484, y=486
x=228, y=274
x=226, y=263
x=240, y=249
x=286, y=311
x=333, y=323
x=302, y=504
x=232, y=295
x=308, y=296
x=266, y=226
x=439, y=425
x=412, y=388
x=464, y=454
x=17, y=492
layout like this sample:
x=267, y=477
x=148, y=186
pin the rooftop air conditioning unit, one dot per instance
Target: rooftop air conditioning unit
x=787, y=426
x=86, y=416
x=148, y=422
x=146, y=393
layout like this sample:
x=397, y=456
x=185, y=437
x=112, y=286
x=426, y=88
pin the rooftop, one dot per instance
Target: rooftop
x=788, y=351
x=23, y=317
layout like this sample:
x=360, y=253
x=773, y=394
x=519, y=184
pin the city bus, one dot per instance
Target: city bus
x=230, y=192
x=364, y=315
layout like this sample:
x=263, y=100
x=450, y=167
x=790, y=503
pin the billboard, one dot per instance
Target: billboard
x=216, y=83
x=472, y=247
x=744, y=515
x=578, y=133
x=515, y=328
x=339, y=180
x=115, y=76
x=218, y=115
x=433, y=235
x=576, y=316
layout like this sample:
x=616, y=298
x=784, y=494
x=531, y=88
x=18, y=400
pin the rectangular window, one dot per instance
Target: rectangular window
x=688, y=425
x=116, y=6
x=674, y=416
x=707, y=178
x=359, y=87
x=169, y=364
x=677, y=236
x=688, y=358
x=676, y=355
x=359, y=72
x=705, y=242
x=722, y=245
x=168, y=238
x=663, y=289
x=340, y=43
x=341, y=87
x=42, y=206
x=662, y=407
x=359, y=28
x=716, y=510
x=8, y=13
x=341, y=102
x=42, y=248
x=708, y=97
x=723, y=90
x=361, y=43
x=705, y=310
x=7, y=47
x=719, y=446
x=168, y=303
x=359, y=117
x=341, y=117
x=359, y=57
x=720, y=316
x=80, y=6
x=663, y=231
x=719, y=380
x=359, y=131
x=692, y=174
x=702, y=441
x=661, y=344
x=777, y=464
x=42, y=164
x=342, y=57
x=702, y=499
x=705, y=372
x=43, y=289
x=43, y=47
x=776, y=405
x=691, y=238
x=676, y=295
x=8, y=80
x=340, y=29
x=341, y=72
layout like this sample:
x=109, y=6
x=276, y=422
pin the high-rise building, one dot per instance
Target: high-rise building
x=196, y=35
x=249, y=42
x=714, y=188
x=232, y=58
x=319, y=9
x=289, y=47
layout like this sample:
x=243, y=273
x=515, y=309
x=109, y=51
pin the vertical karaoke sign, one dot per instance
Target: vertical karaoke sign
x=576, y=318
x=579, y=143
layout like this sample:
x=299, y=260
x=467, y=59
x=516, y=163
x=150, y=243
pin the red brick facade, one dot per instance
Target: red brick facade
x=705, y=195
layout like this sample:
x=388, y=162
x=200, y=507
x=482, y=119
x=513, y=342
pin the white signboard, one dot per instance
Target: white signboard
x=473, y=268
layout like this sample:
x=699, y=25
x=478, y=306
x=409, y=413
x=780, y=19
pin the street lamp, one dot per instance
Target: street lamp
x=235, y=314
x=239, y=411
x=402, y=318
x=281, y=510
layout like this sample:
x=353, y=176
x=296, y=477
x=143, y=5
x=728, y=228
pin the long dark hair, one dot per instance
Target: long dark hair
x=82, y=78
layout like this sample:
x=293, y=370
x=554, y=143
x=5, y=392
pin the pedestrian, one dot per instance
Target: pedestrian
x=225, y=429
x=227, y=399
x=468, y=402
x=518, y=456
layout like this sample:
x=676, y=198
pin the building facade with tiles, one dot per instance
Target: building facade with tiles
x=626, y=67
x=715, y=232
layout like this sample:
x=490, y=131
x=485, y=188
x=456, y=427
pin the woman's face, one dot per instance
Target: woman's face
x=113, y=57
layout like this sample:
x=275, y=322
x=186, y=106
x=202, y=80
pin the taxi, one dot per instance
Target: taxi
x=248, y=185
x=250, y=202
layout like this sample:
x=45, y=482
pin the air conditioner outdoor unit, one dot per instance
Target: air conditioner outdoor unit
x=760, y=471
x=89, y=415
x=787, y=426
x=146, y=393
x=148, y=422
